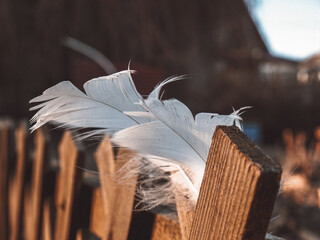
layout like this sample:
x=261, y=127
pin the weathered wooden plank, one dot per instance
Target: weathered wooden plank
x=185, y=215
x=239, y=189
x=3, y=179
x=106, y=165
x=124, y=198
x=16, y=184
x=118, y=198
x=65, y=187
x=98, y=218
x=33, y=195
x=46, y=221
x=165, y=229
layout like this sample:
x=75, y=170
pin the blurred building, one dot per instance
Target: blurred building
x=309, y=70
x=216, y=43
x=211, y=42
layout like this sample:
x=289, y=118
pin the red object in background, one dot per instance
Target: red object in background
x=146, y=78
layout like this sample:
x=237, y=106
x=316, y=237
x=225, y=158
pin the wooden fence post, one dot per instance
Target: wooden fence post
x=124, y=198
x=65, y=188
x=172, y=229
x=106, y=165
x=46, y=232
x=236, y=198
x=118, y=198
x=3, y=180
x=238, y=191
x=33, y=194
x=16, y=184
x=185, y=216
x=99, y=224
x=165, y=229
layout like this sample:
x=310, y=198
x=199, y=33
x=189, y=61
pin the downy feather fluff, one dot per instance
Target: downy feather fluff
x=173, y=143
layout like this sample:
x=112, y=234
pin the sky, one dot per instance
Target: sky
x=290, y=28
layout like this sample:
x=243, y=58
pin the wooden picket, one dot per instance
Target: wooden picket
x=32, y=195
x=165, y=228
x=46, y=233
x=239, y=188
x=16, y=183
x=3, y=179
x=66, y=187
x=235, y=201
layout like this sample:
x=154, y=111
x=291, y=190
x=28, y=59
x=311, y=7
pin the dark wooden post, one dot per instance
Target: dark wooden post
x=238, y=191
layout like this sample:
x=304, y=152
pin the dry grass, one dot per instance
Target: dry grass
x=298, y=206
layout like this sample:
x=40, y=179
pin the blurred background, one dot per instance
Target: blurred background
x=259, y=53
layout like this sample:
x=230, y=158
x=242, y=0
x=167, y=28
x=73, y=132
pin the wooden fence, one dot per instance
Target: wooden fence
x=45, y=199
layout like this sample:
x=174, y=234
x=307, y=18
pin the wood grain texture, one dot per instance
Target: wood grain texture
x=65, y=187
x=165, y=229
x=106, y=165
x=185, y=215
x=118, y=198
x=238, y=191
x=124, y=194
x=3, y=180
x=98, y=218
x=33, y=195
x=16, y=184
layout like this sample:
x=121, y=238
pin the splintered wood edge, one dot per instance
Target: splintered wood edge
x=247, y=147
x=238, y=191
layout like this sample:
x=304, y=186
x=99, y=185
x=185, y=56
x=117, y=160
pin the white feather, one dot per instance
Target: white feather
x=157, y=139
x=164, y=132
x=91, y=53
x=175, y=136
x=161, y=182
x=102, y=106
